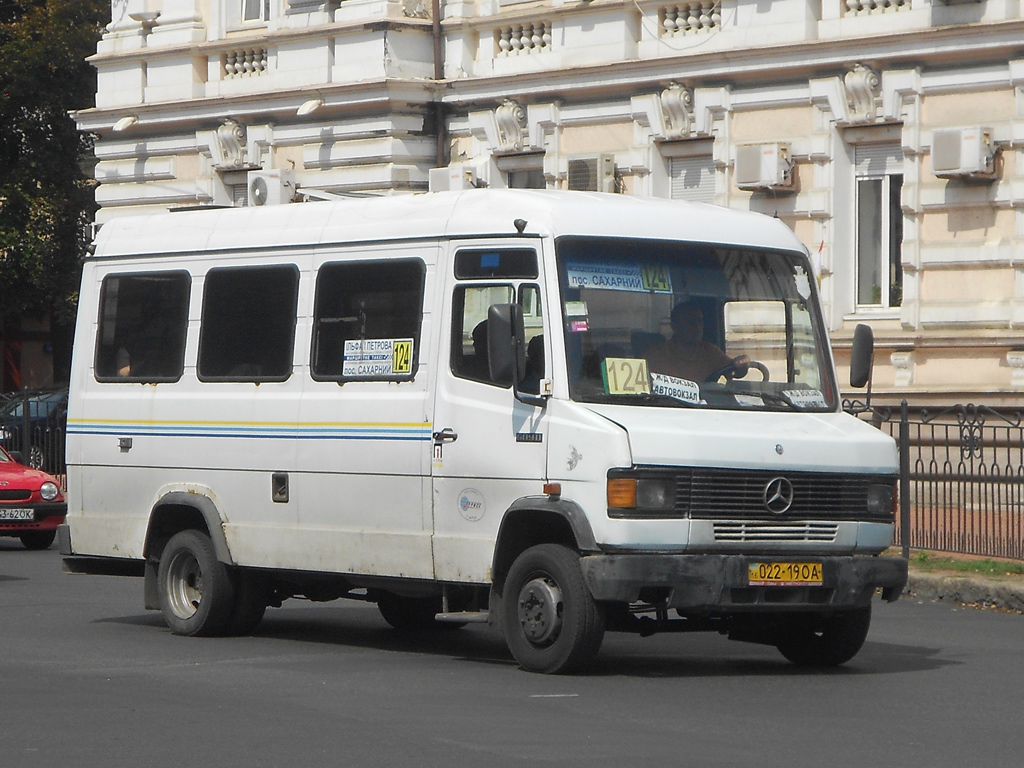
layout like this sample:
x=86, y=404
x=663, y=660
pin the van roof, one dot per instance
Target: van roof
x=469, y=213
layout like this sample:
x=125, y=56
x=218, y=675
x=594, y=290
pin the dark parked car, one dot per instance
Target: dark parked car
x=31, y=504
x=43, y=413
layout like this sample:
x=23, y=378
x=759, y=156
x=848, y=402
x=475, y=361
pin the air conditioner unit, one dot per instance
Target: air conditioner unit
x=963, y=152
x=455, y=177
x=592, y=173
x=272, y=187
x=761, y=166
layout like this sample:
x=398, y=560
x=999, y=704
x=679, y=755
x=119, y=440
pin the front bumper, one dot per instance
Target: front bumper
x=719, y=584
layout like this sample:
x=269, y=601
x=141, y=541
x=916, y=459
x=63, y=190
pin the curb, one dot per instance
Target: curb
x=967, y=590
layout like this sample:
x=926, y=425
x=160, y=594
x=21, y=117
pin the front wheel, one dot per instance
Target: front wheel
x=825, y=642
x=37, y=539
x=195, y=589
x=552, y=623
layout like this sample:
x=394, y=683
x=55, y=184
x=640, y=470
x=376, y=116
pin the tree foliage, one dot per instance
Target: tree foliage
x=46, y=200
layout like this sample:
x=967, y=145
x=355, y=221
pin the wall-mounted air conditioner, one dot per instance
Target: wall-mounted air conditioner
x=455, y=177
x=963, y=152
x=592, y=173
x=272, y=187
x=761, y=166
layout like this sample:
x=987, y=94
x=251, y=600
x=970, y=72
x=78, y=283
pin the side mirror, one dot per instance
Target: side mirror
x=18, y=456
x=506, y=348
x=862, y=356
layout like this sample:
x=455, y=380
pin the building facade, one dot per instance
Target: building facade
x=888, y=134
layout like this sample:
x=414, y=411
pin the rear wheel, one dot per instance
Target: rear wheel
x=195, y=590
x=37, y=539
x=826, y=642
x=552, y=623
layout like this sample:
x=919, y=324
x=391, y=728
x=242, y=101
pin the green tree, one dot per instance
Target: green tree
x=46, y=200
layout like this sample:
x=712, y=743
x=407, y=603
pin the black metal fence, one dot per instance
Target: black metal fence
x=961, y=477
x=32, y=423
x=961, y=468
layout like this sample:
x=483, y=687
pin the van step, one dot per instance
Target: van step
x=463, y=617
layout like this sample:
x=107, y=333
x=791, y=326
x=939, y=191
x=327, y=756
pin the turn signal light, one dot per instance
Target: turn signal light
x=622, y=493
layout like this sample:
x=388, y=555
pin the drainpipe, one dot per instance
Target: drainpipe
x=442, y=134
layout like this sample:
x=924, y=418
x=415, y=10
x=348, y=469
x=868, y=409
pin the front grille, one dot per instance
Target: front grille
x=15, y=495
x=703, y=493
x=785, y=532
x=708, y=494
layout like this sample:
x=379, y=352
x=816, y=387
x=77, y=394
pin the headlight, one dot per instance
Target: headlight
x=641, y=493
x=49, y=491
x=881, y=500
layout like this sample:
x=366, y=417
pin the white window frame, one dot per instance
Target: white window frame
x=256, y=11
x=880, y=167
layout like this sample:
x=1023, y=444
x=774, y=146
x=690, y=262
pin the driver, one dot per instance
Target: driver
x=687, y=355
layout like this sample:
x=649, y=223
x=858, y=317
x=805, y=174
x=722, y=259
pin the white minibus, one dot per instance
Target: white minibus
x=560, y=413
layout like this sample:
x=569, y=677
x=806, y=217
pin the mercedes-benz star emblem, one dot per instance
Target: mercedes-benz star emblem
x=778, y=495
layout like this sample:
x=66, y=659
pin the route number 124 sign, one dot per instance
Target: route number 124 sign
x=626, y=376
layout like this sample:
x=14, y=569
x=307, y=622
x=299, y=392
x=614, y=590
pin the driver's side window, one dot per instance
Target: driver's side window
x=469, y=328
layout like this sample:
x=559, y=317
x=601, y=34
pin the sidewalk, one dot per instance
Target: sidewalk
x=1003, y=594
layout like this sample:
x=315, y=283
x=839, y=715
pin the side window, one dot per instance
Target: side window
x=533, y=323
x=469, y=328
x=142, y=325
x=366, y=321
x=255, y=10
x=248, y=325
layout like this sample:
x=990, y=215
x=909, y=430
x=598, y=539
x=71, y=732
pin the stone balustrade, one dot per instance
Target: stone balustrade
x=689, y=18
x=244, y=62
x=523, y=39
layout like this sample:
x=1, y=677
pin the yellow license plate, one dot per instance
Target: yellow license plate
x=784, y=574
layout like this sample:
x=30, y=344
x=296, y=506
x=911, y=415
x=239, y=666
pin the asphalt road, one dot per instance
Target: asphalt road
x=89, y=678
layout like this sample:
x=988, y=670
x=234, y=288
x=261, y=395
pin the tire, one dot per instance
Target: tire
x=826, y=642
x=36, y=458
x=409, y=614
x=251, y=599
x=195, y=591
x=37, y=539
x=551, y=622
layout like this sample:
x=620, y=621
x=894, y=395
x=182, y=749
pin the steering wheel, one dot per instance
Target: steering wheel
x=732, y=368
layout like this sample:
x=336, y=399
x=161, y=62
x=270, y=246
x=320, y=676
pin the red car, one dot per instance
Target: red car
x=31, y=504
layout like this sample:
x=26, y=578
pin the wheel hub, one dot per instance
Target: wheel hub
x=540, y=611
x=185, y=585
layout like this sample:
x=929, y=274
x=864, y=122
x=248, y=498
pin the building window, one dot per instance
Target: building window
x=879, y=214
x=366, y=321
x=248, y=325
x=255, y=10
x=525, y=171
x=142, y=324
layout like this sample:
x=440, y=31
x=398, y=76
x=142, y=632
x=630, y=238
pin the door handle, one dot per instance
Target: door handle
x=446, y=435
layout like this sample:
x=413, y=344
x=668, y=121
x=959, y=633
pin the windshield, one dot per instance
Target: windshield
x=692, y=325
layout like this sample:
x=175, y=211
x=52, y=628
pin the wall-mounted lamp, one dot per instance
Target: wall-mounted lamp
x=125, y=123
x=310, y=106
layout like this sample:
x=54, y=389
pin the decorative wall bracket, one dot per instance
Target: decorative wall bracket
x=677, y=108
x=510, y=119
x=229, y=150
x=863, y=86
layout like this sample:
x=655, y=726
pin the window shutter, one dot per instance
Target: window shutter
x=692, y=178
x=878, y=159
